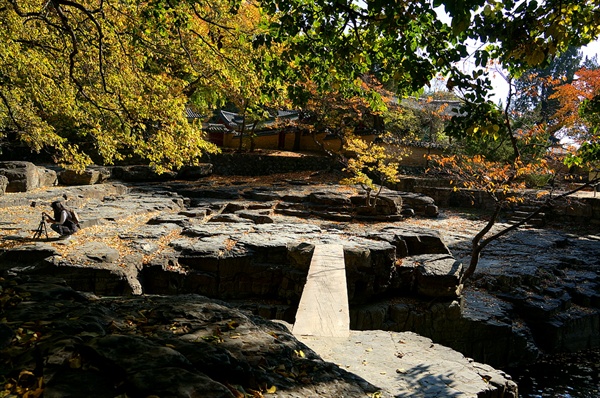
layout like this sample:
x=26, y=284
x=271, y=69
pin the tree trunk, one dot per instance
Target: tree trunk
x=479, y=242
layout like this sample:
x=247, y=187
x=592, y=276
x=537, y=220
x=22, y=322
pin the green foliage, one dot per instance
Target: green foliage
x=432, y=116
x=110, y=79
x=482, y=122
x=590, y=111
x=406, y=46
x=538, y=180
x=402, y=122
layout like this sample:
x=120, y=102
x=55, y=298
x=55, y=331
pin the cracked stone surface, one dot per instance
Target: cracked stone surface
x=127, y=231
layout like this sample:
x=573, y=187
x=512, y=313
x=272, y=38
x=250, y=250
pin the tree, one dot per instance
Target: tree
x=534, y=87
x=589, y=151
x=372, y=166
x=500, y=178
x=103, y=80
x=569, y=117
x=343, y=114
x=110, y=78
x=407, y=45
x=431, y=115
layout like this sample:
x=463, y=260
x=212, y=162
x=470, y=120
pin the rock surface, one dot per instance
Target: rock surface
x=3, y=184
x=535, y=290
x=25, y=176
x=178, y=346
x=66, y=343
x=409, y=365
x=166, y=243
x=90, y=176
x=154, y=240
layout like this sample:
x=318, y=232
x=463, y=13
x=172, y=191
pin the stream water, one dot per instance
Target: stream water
x=561, y=376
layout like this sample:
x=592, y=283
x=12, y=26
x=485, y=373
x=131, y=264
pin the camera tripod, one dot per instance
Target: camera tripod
x=41, y=229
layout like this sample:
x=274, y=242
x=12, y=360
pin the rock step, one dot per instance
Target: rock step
x=525, y=214
x=522, y=212
x=530, y=208
x=534, y=222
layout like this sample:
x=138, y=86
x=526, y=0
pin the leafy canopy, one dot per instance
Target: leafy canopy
x=103, y=80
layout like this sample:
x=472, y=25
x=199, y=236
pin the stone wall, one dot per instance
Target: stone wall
x=577, y=208
x=253, y=164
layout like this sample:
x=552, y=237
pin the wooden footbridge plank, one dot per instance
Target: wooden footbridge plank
x=323, y=308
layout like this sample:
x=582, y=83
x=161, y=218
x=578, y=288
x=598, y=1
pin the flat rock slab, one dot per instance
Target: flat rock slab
x=408, y=365
x=99, y=252
x=323, y=309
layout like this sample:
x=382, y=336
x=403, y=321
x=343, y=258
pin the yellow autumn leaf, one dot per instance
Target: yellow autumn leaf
x=75, y=363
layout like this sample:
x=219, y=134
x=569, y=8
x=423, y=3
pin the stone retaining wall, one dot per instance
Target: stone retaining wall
x=253, y=164
x=579, y=208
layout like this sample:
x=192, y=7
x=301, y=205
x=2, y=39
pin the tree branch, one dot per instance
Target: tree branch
x=9, y=110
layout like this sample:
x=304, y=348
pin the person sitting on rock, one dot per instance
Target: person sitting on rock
x=65, y=222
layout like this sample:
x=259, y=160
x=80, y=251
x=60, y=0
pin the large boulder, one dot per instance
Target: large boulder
x=141, y=173
x=437, y=275
x=385, y=204
x=179, y=346
x=195, y=172
x=22, y=176
x=48, y=178
x=421, y=204
x=90, y=176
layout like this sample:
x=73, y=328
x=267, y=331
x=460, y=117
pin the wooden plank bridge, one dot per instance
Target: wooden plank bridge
x=323, y=309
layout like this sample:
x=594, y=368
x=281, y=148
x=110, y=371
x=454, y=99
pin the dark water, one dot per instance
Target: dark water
x=561, y=376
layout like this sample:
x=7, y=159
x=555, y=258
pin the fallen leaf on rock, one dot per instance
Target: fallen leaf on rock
x=271, y=390
x=233, y=324
x=75, y=362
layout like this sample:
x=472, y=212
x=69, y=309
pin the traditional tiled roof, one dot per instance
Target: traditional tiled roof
x=215, y=128
x=234, y=121
x=230, y=119
x=290, y=115
x=191, y=114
